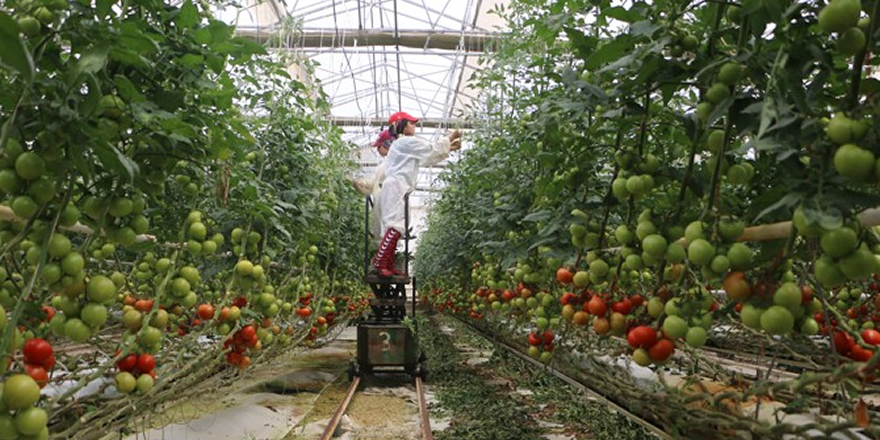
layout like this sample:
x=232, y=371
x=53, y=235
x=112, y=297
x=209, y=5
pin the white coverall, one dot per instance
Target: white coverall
x=405, y=156
x=370, y=186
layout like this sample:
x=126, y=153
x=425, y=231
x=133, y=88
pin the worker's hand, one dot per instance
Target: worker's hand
x=455, y=140
x=361, y=186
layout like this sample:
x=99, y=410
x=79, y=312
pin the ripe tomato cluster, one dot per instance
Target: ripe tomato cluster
x=138, y=364
x=578, y=308
x=245, y=338
x=847, y=346
x=649, y=345
x=304, y=311
x=541, y=345
x=39, y=359
x=136, y=372
x=444, y=301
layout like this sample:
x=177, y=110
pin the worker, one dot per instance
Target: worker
x=370, y=186
x=406, y=155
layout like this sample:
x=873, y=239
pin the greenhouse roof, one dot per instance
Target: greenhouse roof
x=376, y=57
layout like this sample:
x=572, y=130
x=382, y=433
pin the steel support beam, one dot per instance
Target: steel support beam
x=353, y=121
x=449, y=40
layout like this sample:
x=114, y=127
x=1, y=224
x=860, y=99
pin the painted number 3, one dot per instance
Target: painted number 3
x=386, y=341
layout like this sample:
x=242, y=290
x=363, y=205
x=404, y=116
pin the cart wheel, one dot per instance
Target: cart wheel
x=353, y=371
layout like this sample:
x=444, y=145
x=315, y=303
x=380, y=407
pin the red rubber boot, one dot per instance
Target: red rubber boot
x=383, y=261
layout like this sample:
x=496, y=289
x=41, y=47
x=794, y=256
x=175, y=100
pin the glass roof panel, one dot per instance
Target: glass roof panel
x=376, y=57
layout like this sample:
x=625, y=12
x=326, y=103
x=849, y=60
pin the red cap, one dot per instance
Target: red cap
x=384, y=136
x=399, y=116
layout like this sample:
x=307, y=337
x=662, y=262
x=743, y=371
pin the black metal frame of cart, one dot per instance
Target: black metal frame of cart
x=384, y=342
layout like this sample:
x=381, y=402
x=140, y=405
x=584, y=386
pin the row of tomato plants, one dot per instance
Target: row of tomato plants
x=175, y=208
x=630, y=148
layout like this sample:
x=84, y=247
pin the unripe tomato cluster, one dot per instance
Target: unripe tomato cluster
x=19, y=417
x=83, y=306
x=121, y=216
x=245, y=243
x=842, y=17
x=197, y=235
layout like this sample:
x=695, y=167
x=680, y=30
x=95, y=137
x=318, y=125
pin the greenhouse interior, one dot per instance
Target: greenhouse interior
x=445, y=219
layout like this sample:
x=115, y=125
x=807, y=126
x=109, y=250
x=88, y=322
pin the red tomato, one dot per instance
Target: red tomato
x=567, y=298
x=534, y=339
x=871, y=336
x=205, y=311
x=49, y=311
x=144, y=305
x=843, y=342
x=146, y=362
x=806, y=294
x=37, y=373
x=322, y=320
x=49, y=363
x=623, y=306
x=239, y=302
x=637, y=300
x=36, y=350
x=508, y=295
x=248, y=332
x=547, y=336
x=596, y=306
x=661, y=350
x=564, y=276
x=641, y=336
x=127, y=363
x=233, y=358
x=860, y=354
x=303, y=312
x=245, y=361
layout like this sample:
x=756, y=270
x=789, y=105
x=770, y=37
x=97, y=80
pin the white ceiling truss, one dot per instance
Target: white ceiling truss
x=376, y=57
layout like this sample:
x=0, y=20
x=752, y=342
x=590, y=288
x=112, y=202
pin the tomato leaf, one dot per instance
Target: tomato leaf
x=129, y=57
x=132, y=36
x=609, y=52
x=538, y=216
x=127, y=89
x=188, y=15
x=89, y=63
x=788, y=201
x=102, y=7
x=113, y=159
x=583, y=44
x=619, y=13
x=14, y=55
x=91, y=103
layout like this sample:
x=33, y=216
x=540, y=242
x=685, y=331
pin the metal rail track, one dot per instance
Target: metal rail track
x=656, y=430
x=352, y=389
